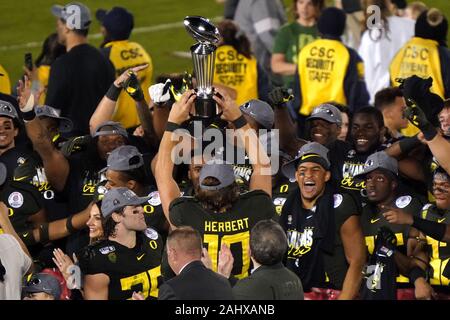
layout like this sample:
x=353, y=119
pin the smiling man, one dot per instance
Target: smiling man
x=130, y=258
x=323, y=229
x=381, y=178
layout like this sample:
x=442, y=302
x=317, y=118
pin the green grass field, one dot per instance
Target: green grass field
x=29, y=22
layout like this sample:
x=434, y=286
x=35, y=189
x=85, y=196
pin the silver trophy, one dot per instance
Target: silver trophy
x=203, y=56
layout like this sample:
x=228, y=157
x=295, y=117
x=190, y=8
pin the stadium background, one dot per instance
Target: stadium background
x=158, y=27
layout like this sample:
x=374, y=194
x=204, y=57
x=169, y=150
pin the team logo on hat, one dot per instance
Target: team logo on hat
x=369, y=163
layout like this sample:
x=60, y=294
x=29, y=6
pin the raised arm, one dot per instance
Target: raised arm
x=261, y=177
x=355, y=253
x=107, y=106
x=56, y=165
x=167, y=186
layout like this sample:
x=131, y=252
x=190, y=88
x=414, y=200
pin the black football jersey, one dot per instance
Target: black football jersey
x=372, y=219
x=23, y=201
x=154, y=214
x=128, y=269
x=438, y=251
x=231, y=227
x=32, y=171
x=305, y=257
x=280, y=193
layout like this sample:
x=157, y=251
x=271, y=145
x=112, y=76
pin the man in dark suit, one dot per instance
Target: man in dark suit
x=193, y=281
x=269, y=280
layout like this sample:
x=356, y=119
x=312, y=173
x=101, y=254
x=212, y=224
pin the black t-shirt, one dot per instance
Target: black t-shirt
x=22, y=201
x=438, y=251
x=128, y=269
x=307, y=236
x=78, y=81
x=280, y=192
x=345, y=164
x=14, y=157
x=372, y=219
x=32, y=171
x=154, y=214
x=231, y=227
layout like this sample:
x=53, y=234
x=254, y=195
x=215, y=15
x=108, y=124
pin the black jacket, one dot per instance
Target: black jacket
x=196, y=282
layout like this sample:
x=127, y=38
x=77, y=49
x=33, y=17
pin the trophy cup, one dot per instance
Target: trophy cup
x=203, y=56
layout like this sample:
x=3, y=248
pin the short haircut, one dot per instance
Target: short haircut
x=371, y=111
x=387, y=96
x=186, y=240
x=268, y=242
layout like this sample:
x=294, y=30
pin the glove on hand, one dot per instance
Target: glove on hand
x=133, y=88
x=160, y=92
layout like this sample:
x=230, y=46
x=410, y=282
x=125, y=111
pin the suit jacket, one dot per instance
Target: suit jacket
x=196, y=282
x=269, y=283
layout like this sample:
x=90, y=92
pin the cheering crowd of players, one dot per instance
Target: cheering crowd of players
x=336, y=189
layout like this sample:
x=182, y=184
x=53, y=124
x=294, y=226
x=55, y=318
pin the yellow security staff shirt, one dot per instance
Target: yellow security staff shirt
x=124, y=55
x=5, y=85
x=418, y=57
x=322, y=66
x=236, y=71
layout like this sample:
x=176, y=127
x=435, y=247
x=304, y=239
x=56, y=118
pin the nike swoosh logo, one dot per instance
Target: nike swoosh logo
x=140, y=257
x=308, y=217
x=309, y=156
x=25, y=235
x=440, y=220
x=21, y=178
x=374, y=220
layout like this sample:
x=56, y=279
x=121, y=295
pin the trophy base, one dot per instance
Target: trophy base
x=205, y=108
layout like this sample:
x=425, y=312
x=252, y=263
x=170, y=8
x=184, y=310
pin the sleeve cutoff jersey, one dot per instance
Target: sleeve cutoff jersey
x=372, y=219
x=314, y=266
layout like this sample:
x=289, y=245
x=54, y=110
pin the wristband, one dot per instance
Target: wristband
x=430, y=228
x=409, y=143
x=172, y=126
x=69, y=225
x=113, y=92
x=239, y=122
x=28, y=116
x=416, y=273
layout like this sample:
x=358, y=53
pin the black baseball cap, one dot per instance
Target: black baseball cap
x=118, y=22
x=43, y=282
x=310, y=152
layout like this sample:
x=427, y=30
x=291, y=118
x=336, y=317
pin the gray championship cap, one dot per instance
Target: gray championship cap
x=260, y=111
x=43, y=282
x=110, y=127
x=76, y=15
x=220, y=170
x=8, y=110
x=379, y=160
x=118, y=198
x=124, y=158
x=65, y=124
x=328, y=113
x=310, y=152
